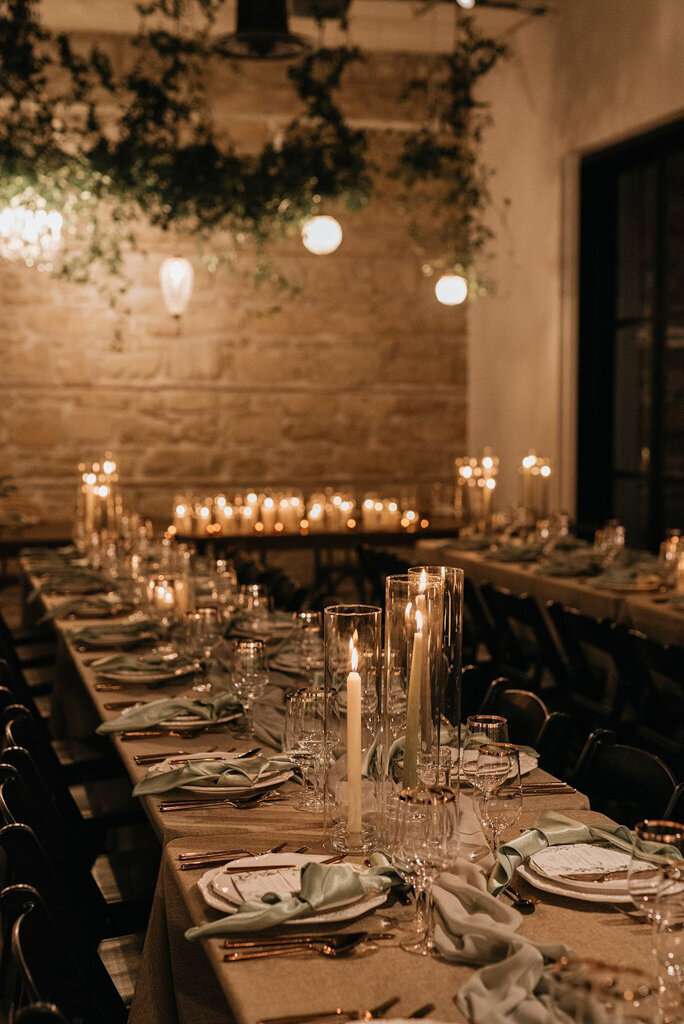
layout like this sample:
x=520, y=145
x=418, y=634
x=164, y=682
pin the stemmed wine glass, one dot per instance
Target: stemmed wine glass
x=426, y=844
x=255, y=604
x=310, y=642
x=203, y=631
x=498, y=791
x=250, y=675
x=646, y=873
x=304, y=741
x=481, y=729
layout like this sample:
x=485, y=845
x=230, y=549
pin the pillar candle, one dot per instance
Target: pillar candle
x=354, y=745
x=413, y=707
x=268, y=514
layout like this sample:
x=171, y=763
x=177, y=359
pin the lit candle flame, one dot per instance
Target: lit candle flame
x=419, y=622
x=423, y=582
x=353, y=653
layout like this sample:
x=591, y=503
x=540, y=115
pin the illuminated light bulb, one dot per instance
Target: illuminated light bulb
x=321, y=235
x=467, y=5
x=176, y=278
x=451, y=289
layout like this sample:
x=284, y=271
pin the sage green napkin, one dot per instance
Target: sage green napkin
x=578, y=563
x=474, y=928
x=144, y=667
x=268, y=717
x=76, y=581
x=107, y=629
x=321, y=885
x=554, y=829
x=471, y=542
x=207, y=708
x=81, y=606
x=514, y=553
x=228, y=774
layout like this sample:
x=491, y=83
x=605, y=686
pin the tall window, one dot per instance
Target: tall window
x=631, y=351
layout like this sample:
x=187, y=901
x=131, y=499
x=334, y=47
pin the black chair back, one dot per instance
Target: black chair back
x=49, y=970
x=40, y=1013
x=655, y=674
x=531, y=724
x=526, y=650
x=624, y=782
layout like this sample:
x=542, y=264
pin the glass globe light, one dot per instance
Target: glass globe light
x=451, y=289
x=321, y=235
x=176, y=278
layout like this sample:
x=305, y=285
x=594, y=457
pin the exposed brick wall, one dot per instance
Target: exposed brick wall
x=359, y=379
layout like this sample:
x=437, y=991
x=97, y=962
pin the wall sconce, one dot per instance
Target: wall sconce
x=176, y=278
x=451, y=289
x=321, y=235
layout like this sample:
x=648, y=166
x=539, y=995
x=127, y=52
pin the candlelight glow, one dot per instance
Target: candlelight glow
x=419, y=622
x=322, y=235
x=545, y=471
x=490, y=484
x=33, y=236
x=354, y=655
x=423, y=581
x=451, y=289
x=176, y=278
x=529, y=461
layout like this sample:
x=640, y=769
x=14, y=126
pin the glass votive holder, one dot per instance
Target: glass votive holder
x=415, y=669
x=352, y=694
x=453, y=580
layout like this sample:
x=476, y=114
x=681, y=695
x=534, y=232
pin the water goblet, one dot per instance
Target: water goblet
x=310, y=642
x=294, y=741
x=250, y=675
x=255, y=604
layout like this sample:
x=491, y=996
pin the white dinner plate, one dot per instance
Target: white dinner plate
x=143, y=678
x=219, y=892
x=645, y=586
x=558, y=888
x=189, y=723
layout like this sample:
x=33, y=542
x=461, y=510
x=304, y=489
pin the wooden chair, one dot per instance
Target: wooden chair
x=624, y=782
x=48, y=966
x=530, y=723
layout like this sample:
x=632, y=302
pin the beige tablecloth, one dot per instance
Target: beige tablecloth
x=178, y=986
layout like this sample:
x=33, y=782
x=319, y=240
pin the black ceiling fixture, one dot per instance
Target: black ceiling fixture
x=262, y=33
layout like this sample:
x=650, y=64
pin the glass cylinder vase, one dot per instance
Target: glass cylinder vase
x=415, y=677
x=352, y=724
x=452, y=643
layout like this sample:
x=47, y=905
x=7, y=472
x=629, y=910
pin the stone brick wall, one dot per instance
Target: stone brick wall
x=358, y=379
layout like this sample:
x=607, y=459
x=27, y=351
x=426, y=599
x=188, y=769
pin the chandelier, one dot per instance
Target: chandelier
x=29, y=233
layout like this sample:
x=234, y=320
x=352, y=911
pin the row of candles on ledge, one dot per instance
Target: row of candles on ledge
x=475, y=488
x=289, y=512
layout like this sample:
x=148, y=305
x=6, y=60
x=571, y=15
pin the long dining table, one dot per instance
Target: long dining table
x=650, y=612
x=190, y=983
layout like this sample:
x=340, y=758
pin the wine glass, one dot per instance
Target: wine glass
x=311, y=739
x=426, y=844
x=256, y=605
x=250, y=675
x=294, y=741
x=481, y=729
x=668, y=943
x=498, y=791
x=645, y=875
x=310, y=642
x=203, y=631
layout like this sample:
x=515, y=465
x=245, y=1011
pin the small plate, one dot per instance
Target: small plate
x=212, y=886
x=188, y=724
x=144, y=678
x=639, y=587
x=559, y=889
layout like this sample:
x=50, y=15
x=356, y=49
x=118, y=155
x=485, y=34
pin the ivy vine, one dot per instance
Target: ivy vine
x=108, y=147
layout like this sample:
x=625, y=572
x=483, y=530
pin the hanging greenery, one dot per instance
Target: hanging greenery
x=109, y=149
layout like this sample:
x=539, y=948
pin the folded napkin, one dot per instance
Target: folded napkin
x=81, y=606
x=231, y=773
x=70, y=582
x=206, y=708
x=582, y=562
x=514, y=553
x=107, y=629
x=268, y=717
x=554, y=829
x=471, y=542
x=321, y=885
x=132, y=663
x=474, y=928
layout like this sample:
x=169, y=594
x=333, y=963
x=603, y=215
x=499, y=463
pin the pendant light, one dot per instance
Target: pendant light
x=262, y=33
x=176, y=278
